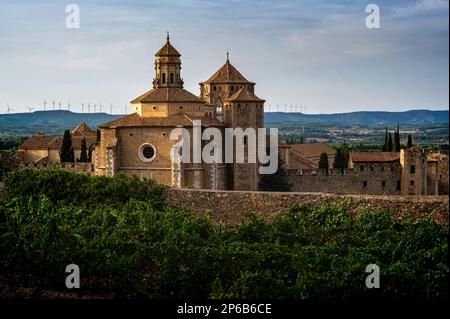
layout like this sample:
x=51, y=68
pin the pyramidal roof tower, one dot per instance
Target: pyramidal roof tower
x=167, y=67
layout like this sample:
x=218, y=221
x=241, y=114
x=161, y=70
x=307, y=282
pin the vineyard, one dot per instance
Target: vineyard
x=129, y=242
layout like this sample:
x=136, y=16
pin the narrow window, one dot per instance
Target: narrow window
x=361, y=168
x=399, y=184
x=171, y=78
x=383, y=184
x=163, y=78
x=412, y=182
x=365, y=184
x=412, y=169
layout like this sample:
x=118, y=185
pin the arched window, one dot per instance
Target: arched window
x=163, y=78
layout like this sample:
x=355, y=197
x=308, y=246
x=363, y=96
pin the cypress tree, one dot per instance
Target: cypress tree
x=389, y=144
x=323, y=162
x=410, y=141
x=341, y=156
x=396, y=147
x=385, y=141
x=83, y=154
x=66, y=153
x=276, y=182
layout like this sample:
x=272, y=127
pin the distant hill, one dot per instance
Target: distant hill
x=50, y=122
x=55, y=122
x=364, y=118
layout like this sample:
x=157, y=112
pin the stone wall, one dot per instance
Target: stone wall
x=71, y=167
x=377, y=179
x=228, y=206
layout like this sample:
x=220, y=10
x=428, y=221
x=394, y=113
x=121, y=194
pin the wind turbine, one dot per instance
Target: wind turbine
x=95, y=105
x=100, y=106
x=68, y=106
x=82, y=107
x=53, y=102
x=9, y=109
x=30, y=108
x=59, y=105
x=45, y=103
x=89, y=107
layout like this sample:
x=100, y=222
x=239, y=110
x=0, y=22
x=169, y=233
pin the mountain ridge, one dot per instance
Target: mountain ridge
x=55, y=122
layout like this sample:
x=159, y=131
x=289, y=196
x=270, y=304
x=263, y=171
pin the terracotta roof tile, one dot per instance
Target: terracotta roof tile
x=37, y=142
x=244, y=95
x=179, y=119
x=298, y=162
x=374, y=156
x=53, y=142
x=76, y=142
x=167, y=50
x=169, y=94
x=308, y=150
x=227, y=74
x=83, y=130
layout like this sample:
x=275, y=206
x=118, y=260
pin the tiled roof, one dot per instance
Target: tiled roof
x=244, y=95
x=167, y=49
x=169, y=94
x=83, y=130
x=40, y=142
x=179, y=119
x=308, y=150
x=37, y=142
x=76, y=142
x=298, y=162
x=227, y=74
x=374, y=156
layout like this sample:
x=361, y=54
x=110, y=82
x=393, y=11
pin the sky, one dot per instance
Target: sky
x=316, y=55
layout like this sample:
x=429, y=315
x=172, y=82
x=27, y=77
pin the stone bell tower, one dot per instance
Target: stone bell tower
x=167, y=67
x=237, y=106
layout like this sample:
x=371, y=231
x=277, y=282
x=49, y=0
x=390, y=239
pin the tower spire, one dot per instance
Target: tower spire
x=168, y=36
x=228, y=56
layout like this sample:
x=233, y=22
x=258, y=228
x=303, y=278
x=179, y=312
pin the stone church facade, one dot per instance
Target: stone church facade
x=139, y=144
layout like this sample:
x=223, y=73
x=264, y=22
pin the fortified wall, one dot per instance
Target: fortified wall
x=228, y=206
x=376, y=179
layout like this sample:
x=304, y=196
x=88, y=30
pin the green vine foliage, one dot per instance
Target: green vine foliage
x=128, y=241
